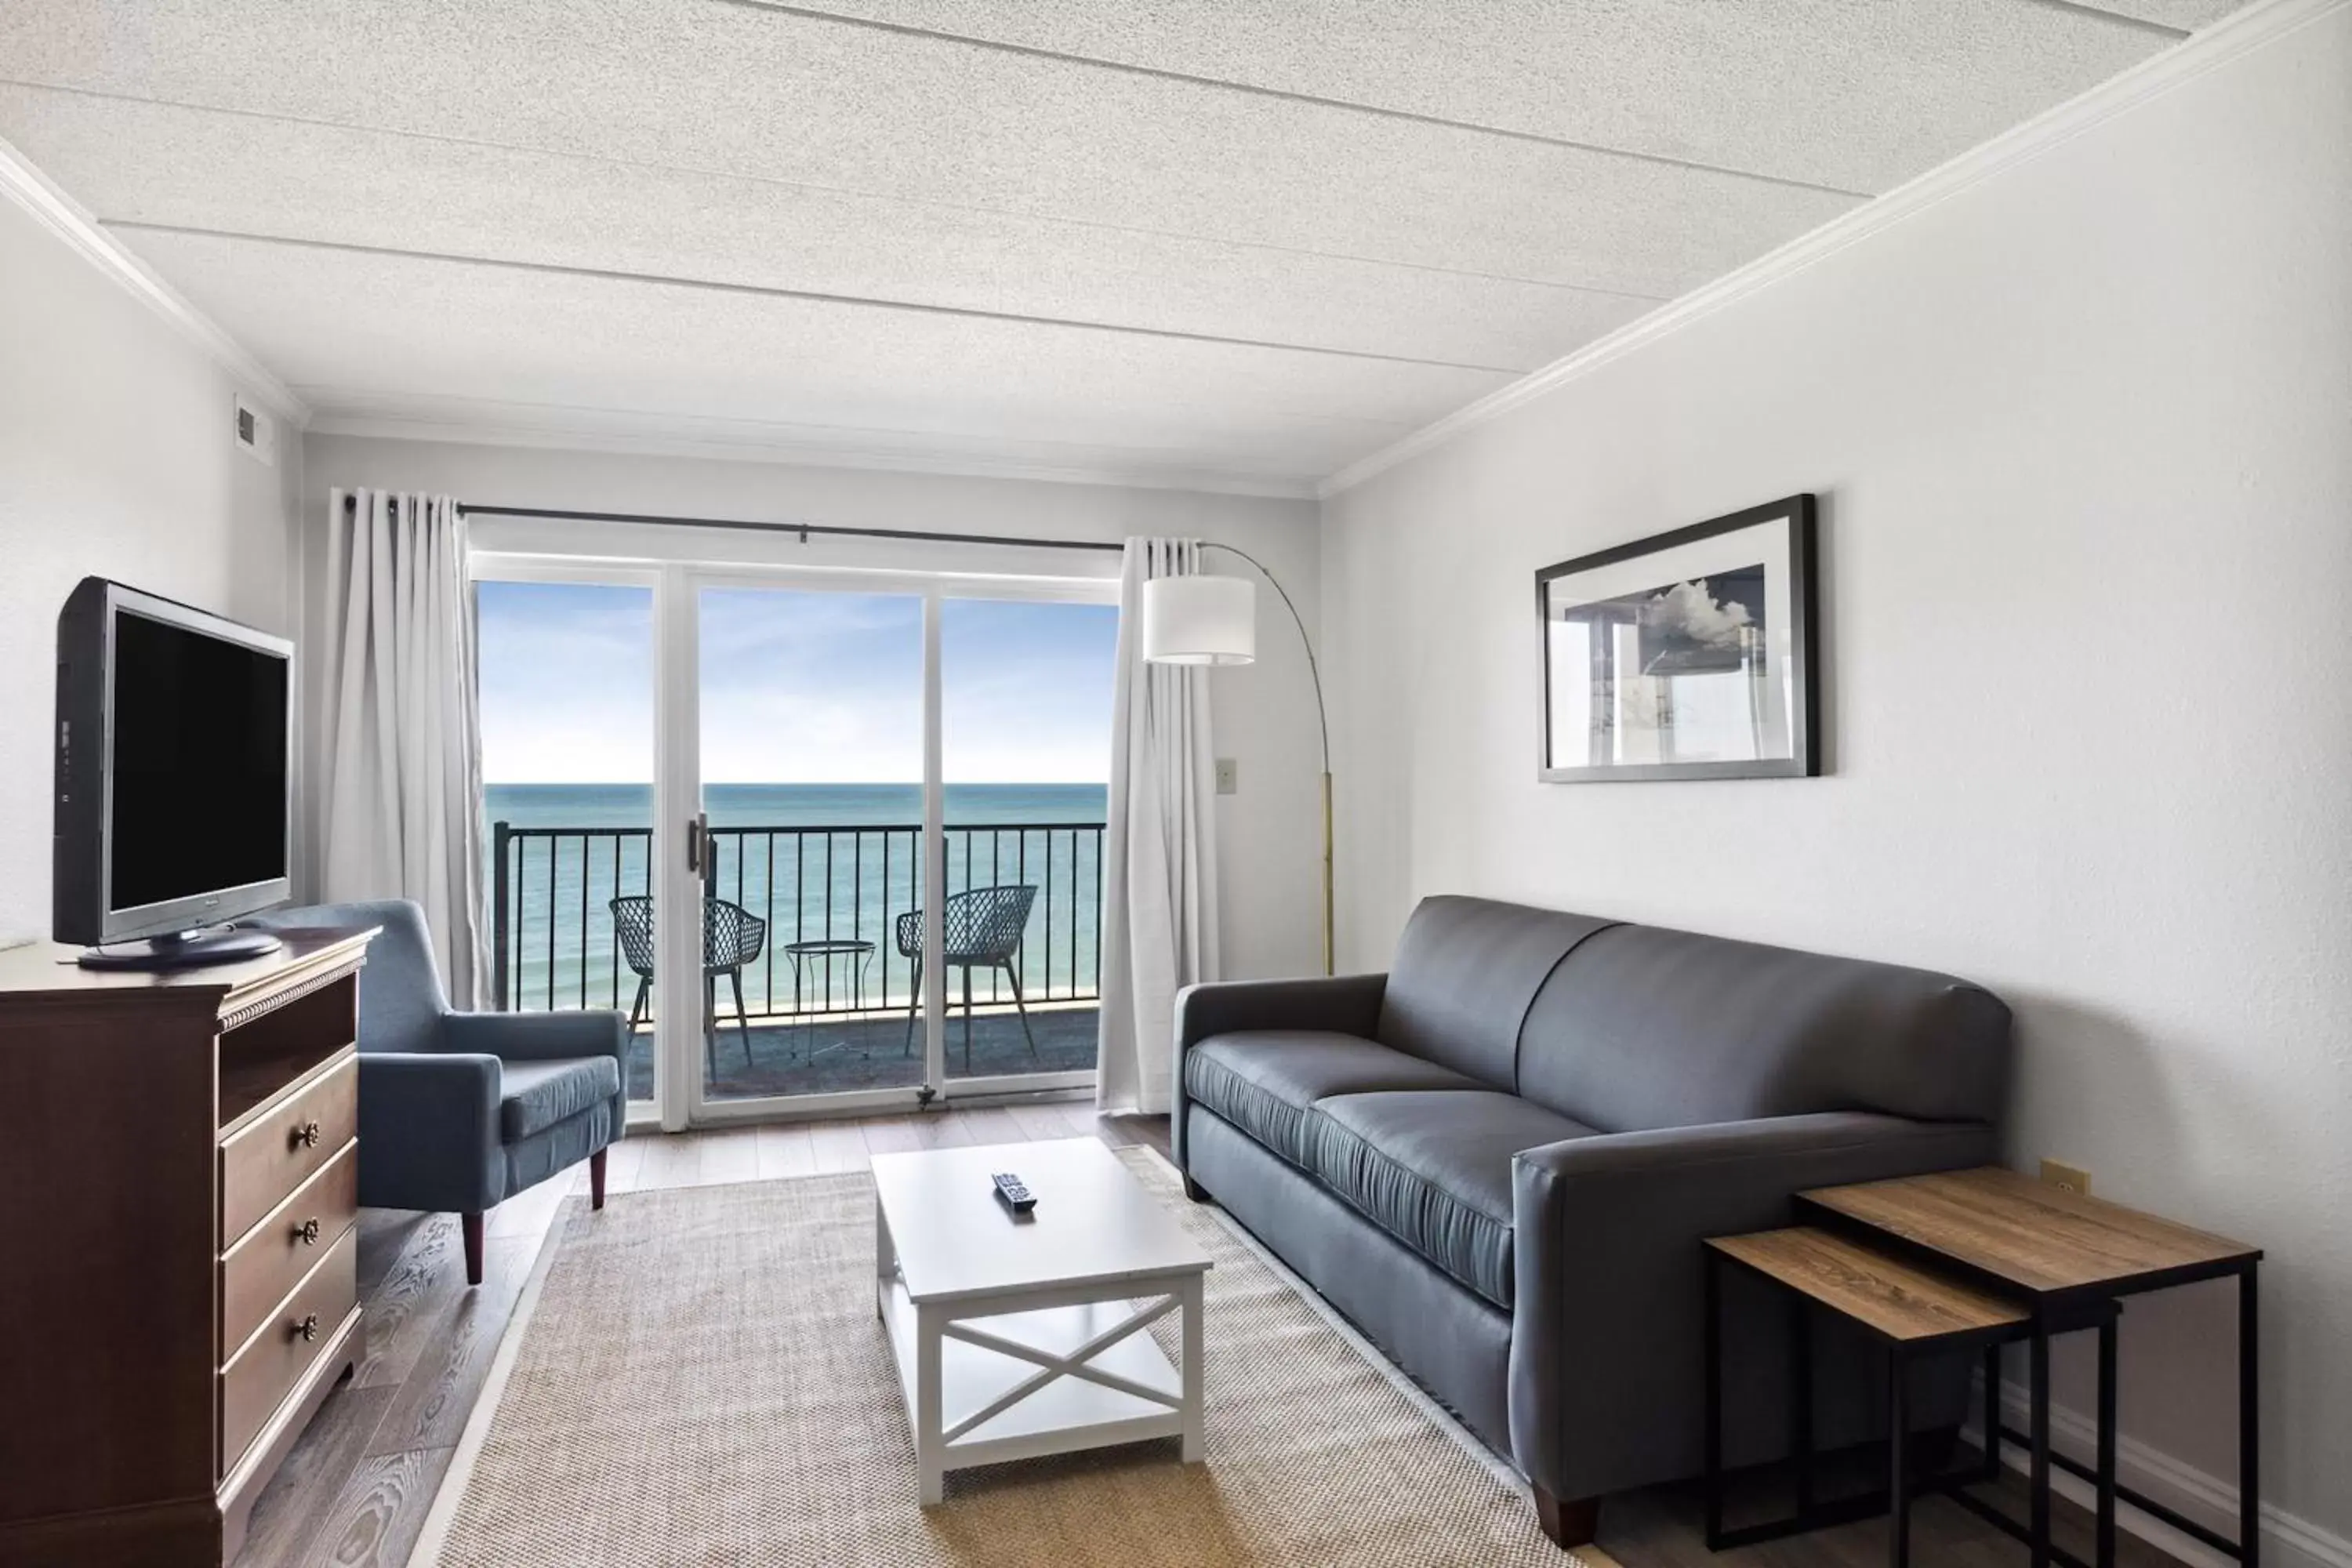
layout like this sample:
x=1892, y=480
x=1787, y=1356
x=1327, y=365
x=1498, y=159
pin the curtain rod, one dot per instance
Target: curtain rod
x=803, y=529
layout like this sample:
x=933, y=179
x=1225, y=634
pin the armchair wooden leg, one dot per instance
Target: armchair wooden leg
x=596, y=1178
x=473, y=1229
x=1569, y=1524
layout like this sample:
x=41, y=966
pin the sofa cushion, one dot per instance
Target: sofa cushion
x=535, y=1096
x=1465, y=972
x=1642, y=1027
x=1434, y=1170
x=1263, y=1081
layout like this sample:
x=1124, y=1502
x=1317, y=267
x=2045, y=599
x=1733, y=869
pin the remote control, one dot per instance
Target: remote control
x=1012, y=1194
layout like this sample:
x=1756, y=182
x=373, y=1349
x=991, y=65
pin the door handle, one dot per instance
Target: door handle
x=697, y=844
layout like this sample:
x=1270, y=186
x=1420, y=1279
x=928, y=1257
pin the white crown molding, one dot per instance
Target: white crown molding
x=2262, y=22
x=2288, y=1542
x=669, y=437
x=38, y=194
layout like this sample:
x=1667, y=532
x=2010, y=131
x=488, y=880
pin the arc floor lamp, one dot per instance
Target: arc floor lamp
x=1211, y=620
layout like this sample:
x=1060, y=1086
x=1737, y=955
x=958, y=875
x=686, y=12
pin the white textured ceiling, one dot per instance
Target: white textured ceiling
x=1230, y=241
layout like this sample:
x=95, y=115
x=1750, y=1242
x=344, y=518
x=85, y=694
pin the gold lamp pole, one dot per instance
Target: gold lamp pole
x=1202, y=619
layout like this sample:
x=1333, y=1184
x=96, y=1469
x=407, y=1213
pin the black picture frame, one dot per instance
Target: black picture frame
x=1790, y=553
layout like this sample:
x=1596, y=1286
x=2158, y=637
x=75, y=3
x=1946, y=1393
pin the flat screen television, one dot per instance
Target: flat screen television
x=175, y=747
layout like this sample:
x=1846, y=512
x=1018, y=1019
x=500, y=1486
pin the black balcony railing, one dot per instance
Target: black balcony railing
x=553, y=945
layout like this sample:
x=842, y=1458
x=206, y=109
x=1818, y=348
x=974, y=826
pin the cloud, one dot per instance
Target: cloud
x=1688, y=611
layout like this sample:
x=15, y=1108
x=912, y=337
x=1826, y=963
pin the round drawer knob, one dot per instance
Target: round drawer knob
x=307, y=1233
x=307, y=1329
x=305, y=1136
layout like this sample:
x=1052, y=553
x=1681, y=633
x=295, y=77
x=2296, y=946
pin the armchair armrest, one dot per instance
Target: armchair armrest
x=429, y=1131
x=536, y=1036
x=1607, y=1340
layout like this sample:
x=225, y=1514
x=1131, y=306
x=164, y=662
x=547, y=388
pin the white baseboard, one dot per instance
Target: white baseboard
x=2287, y=1542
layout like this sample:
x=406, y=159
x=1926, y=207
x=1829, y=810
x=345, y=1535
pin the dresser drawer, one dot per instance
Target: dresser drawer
x=284, y=1145
x=289, y=1342
x=275, y=1253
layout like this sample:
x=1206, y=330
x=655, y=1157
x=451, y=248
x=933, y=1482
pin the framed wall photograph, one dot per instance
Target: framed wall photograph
x=1684, y=656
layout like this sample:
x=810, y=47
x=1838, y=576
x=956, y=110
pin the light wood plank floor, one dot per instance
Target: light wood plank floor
x=356, y=1488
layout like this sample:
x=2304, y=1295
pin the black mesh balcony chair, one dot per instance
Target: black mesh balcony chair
x=982, y=929
x=732, y=937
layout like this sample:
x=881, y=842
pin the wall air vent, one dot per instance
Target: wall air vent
x=256, y=432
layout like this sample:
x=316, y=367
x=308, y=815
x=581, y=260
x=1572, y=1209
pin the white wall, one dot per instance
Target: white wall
x=1269, y=836
x=2082, y=434
x=115, y=462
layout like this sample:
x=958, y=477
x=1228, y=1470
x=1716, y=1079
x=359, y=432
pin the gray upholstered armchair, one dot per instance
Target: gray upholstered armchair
x=459, y=1111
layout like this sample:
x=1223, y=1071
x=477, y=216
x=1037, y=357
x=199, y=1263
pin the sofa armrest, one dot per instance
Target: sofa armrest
x=1607, y=1339
x=429, y=1131
x=1346, y=1005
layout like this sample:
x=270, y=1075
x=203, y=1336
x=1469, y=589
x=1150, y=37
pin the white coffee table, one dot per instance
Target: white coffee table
x=1017, y=1338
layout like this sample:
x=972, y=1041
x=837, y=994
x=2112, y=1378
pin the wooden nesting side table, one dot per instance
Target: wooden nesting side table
x=2068, y=1261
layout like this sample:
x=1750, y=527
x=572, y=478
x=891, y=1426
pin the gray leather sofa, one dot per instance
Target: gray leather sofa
x=1499, y=1158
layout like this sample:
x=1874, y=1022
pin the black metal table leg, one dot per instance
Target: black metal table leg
x=2104, y=1556
x=2039, y=1439
x=1714, y=1358
x=1801, y=1399
x=2250, y=1435
x=1898, y=1457
x=1992, y=1413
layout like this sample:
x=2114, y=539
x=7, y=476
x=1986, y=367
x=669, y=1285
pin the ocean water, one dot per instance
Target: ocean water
x=815, y=862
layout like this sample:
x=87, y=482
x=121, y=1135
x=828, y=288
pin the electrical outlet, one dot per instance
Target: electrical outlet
x=1229, y=776
x=2067, y=1178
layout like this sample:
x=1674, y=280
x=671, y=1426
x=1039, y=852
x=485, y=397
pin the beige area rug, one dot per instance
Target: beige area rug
x=697, y=1377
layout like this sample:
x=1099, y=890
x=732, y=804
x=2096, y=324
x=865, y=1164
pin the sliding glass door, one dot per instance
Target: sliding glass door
x=795, y=759
x=1026, y=689
x=810, y=745
x=566, y=683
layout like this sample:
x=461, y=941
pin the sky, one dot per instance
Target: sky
x=797, y=687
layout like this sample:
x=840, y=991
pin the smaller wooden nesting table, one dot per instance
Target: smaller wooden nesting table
x=1905, y=1308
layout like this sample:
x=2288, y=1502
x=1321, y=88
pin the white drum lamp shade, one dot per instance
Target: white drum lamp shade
x=1200, y=620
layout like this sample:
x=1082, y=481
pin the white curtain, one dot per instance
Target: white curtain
x=1160, y=849
x=402, y=772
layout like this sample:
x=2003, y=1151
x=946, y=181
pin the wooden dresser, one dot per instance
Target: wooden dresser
x=179, y=1174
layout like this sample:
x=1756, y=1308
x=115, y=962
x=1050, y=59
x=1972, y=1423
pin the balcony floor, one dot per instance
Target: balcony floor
x=834, y=1056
